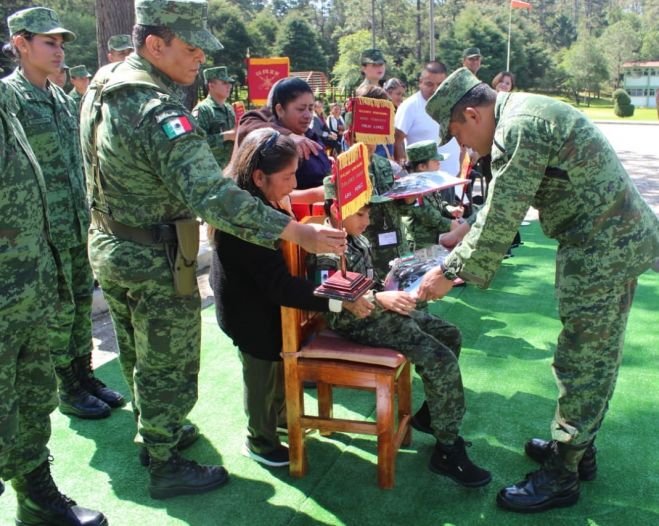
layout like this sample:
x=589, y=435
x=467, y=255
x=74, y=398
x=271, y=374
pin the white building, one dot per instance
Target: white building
x=641, y=81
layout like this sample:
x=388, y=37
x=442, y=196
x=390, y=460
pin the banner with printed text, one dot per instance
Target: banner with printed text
x=372, y=120
x=353, y=184
x=262, y=73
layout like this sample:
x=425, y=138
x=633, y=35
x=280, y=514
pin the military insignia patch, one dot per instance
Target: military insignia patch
x=177, y=126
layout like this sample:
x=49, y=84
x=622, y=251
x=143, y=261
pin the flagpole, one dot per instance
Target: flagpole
x=510, y=23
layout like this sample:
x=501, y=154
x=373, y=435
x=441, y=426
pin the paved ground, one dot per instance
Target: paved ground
x=636, y=145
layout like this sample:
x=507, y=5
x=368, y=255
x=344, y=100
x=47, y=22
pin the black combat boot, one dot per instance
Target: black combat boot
x=453, y=462
x=91, y=384
x=189, y=435
x=421, y=419
x=74, y=400
x=179, y=476
x=552, y=486
x=41, y=504
x=2, y=487
x=540, y=450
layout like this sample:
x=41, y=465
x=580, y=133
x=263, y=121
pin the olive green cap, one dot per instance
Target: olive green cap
x=218, y=73
x=423, y=151
x=120, y=43
x=373, y=56
x=471, y=52
x=329, y=187
x=39, y=20
x=188, y=19
x=79, y=71
x=449, y=93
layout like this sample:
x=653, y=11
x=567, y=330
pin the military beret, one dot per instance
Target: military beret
x=120, y=43
x=423, y=151
x=39, y=20
x=372, y=56
x=471, y=52
x=219, y=73
x=329, y=187
x=79, y=71
x=188, y=19
x=449, y=93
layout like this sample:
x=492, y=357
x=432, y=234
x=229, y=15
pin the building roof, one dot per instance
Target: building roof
x=642, y=64
x=316, y=79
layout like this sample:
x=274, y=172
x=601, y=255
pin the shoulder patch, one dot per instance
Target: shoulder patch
x=174, y=125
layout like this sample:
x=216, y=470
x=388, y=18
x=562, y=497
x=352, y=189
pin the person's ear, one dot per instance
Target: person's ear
x=259, y=177
x=278, y=108
x=473, y=114
x=154, y=45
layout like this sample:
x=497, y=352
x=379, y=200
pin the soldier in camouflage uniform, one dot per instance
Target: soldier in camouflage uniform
x=119, y=47
x=431, y=343
x=373, y=67
x=28, y=297
x=50, y=121
x=549, y=155
x=215, y=116
x=150, y=172
x=80, y=80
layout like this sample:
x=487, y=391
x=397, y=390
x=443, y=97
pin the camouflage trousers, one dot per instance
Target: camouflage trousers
x=70, y=330
x=27, y=397
x=587, y=360
x=433, y=346
x=158, y=334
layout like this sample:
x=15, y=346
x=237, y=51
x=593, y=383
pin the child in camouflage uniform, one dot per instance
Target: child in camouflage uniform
x=431, y=343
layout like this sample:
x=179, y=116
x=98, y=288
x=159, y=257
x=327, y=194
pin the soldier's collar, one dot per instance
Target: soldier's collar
x=138, y=62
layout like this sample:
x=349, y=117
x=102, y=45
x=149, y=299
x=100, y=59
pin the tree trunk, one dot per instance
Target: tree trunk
x=113, y=17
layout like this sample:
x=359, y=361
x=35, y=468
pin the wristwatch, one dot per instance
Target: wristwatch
x=448, y=273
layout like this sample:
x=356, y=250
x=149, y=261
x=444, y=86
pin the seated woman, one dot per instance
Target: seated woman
x=504, y=81
x=432, y=217
x=250, y=284
x=290, y=111
x=396, y=90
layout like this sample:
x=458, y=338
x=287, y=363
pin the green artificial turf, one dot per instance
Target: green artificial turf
x=509, y=334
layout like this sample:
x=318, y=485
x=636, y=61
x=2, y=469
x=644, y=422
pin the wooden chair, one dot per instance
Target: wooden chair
x=313, y=354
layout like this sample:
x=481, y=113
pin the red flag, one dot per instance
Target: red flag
x=518, y=4
x=262, y=73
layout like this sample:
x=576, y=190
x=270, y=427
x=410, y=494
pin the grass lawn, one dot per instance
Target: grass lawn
x=602, y=109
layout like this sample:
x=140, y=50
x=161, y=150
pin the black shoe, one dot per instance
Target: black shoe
x=540, y=450
x=544, y=489
x=275, y=459
x=2, y=487
x=74, y=400
x=40, y=503
x=91, y=384
x=421, y=419
x=189, y=435
x=453, y=462
x=179, y=476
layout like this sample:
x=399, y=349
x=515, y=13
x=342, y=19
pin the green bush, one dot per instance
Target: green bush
x=622, y=103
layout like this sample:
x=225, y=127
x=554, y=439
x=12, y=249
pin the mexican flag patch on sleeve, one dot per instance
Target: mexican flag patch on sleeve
x=177, y=126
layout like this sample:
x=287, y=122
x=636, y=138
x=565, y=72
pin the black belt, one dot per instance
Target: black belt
x=160, y=234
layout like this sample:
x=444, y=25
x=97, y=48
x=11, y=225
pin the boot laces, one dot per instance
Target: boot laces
x=43, y=490
x=89, y=376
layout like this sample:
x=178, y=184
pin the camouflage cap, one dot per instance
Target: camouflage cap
x=120, y=43
x=187, y=18
x=372, y=56
x=79, y=71
x=39, y=20
x=449, y=93
x=423, y=151
x=219, y=73
x=471, y=52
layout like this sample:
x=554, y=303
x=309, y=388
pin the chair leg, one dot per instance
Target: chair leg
x=385, y=425
x=405, y=400
x=294, y=409
x=325, y=403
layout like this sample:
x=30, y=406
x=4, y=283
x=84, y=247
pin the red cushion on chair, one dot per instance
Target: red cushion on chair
x=328, y=345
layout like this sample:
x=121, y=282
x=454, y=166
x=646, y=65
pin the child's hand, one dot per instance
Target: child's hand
x=396, y=301
x=360, y=308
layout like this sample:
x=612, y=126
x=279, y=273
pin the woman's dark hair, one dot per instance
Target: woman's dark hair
x=500, y=76
x=393, y=84
x=264, y=149
x=412, y=166
x=287, y=90
x=372, y=92
x=140, y=33
x=10, y=50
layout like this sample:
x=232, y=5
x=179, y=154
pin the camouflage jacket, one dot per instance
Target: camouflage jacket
x=385, y=218
x=424, y=222
x=215, y=118
x=27, y=269
x=50, y=121
x=155, y=163
x=549, y=155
